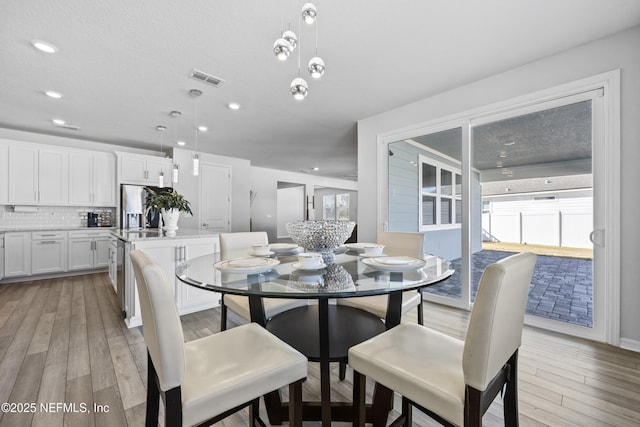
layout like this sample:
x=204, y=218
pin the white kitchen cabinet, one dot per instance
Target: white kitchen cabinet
x=143, y=170
x=48, y=252
x=88, y=250
x=113, y=262
x=4, y=174
x=168, y=253
x=53, y=177
x=23, y=175
x=38, y=176
x=92, y=179
x=1, y=256
x=17, y=254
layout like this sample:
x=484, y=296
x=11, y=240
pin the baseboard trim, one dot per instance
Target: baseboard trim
x=628, y=344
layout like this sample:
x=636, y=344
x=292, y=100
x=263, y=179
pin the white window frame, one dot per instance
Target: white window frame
x=422, y=159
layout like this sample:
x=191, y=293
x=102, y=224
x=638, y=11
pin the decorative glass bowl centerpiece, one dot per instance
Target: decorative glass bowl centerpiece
x=321, y=236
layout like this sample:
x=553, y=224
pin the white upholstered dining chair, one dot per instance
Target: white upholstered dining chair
x=395, y=244
x=451, y=380
x=205, y=380
x=231, y=245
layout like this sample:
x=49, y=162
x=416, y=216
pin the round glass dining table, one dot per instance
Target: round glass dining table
x=324, y=331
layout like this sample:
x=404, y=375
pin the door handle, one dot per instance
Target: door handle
x=592, y=237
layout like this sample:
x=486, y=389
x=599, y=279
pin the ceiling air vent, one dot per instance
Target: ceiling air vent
x=206, y=78
x=65, y=126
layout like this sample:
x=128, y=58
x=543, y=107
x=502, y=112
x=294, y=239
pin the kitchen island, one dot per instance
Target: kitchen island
x=167, y=252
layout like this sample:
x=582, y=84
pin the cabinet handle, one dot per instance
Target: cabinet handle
x=184, y=254
x=48, y=242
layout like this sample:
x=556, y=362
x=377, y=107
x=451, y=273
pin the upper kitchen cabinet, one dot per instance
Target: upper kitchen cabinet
x=37, y=176
x=4, y=174
x=92, y=179
x=141, y=169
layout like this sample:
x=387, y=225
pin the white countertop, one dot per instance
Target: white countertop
x=20, y=230
x=155, y=234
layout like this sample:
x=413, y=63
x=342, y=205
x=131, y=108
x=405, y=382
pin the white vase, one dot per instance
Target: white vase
x=170, y=219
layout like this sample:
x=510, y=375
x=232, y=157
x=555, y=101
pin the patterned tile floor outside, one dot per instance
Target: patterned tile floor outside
x=561, y=287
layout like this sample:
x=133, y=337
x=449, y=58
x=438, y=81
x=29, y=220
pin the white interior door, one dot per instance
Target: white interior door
x=215, y=196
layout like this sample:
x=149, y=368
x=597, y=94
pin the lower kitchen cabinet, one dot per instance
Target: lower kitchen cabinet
x=168, y=253
x=48, y=252
x=17, y=254
x=88, y=249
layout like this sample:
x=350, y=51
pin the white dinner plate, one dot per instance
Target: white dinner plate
x=283, y=247
x=358, y=247
x=394, y=263
x=267, y=254
x=251, y=265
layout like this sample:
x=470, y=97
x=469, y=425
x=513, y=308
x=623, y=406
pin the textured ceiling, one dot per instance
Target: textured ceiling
x=561, y=134
x=123, y=65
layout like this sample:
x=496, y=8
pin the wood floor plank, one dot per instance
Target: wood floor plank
x=25, y=391
x=108, y=409
x=130, y=385
x=52, y=391
x=80, y=394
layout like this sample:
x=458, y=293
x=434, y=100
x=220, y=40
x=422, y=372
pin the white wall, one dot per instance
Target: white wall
x=620, y=51
x=264, y=182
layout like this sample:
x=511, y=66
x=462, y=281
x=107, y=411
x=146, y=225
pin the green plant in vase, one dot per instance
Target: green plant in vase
x=170, y=204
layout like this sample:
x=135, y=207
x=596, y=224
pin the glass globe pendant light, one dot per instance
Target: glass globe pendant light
x=316, y=67
x=309, y=13
x=299, y=88
x=281, y=49
x=291, y=38
x=196, y=156
x=161, y=128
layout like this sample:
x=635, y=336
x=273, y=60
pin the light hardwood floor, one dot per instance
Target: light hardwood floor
x=64, y=341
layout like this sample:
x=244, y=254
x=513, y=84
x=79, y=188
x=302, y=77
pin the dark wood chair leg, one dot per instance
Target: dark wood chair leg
x=295, y=404
x=421, y=311
x=510, y=404
x=153, y=395
x=359, y=392
x=173, y=407
x=473, y=408
x=342, y=371
x=407, y=411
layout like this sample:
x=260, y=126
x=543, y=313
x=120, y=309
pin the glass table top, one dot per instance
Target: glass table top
x=349, y=276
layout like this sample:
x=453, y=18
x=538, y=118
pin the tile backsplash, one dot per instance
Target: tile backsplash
x=47, y=217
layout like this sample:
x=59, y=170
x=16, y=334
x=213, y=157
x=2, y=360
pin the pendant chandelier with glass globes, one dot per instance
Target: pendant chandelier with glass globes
x=289, y=41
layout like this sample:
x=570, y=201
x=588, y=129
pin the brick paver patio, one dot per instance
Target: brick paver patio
x=561, y=287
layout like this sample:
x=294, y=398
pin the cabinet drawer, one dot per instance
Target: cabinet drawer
x=48, y=235
x=83, y=234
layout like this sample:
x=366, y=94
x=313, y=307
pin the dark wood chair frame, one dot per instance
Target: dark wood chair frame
x=173, y=404
x=476, y=402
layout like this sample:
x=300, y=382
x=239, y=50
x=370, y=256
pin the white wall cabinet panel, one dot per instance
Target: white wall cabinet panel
x=191, y=298
x=23, y=175
x=92, y=179
x=4, y=174
x=80, y=182
x=53, y=177
x=104, y=179
x=17, y=254
x=143, y=170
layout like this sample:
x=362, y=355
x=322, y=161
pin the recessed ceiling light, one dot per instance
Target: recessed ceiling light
x=53, y=94
x=58, y=121
x=202, y=128
x=233, y=106
x=316, y=168
x=509, y=143
x=181, y=143
x=44, y=46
